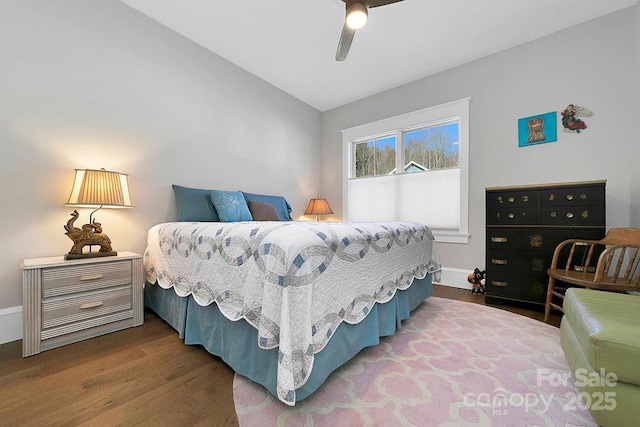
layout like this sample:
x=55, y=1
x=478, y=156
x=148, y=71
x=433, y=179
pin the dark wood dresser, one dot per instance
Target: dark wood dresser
x=525, y=224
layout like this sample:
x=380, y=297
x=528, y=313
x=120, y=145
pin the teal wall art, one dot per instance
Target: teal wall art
x=538, y=129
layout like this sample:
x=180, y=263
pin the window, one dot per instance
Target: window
x=375, y=157
x=422, y=178
x=431, y=147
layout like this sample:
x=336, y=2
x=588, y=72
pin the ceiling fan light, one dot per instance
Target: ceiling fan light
x=357, y=16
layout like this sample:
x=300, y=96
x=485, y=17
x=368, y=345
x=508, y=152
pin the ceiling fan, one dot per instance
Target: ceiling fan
x=355, y=17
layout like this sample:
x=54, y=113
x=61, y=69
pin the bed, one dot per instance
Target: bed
x=287, y=303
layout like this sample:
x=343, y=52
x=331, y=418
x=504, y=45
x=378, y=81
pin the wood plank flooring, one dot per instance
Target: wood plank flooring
x=139, y=376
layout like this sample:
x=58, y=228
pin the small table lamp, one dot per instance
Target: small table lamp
x=318, y=206
x=95, y=189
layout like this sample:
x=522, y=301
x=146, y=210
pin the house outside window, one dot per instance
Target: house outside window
x=423, y=178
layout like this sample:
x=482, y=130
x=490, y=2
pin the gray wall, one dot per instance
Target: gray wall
x=91, y=84
x=592, y=65
x=635, y=146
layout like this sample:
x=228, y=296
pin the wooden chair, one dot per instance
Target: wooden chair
x=610, y=264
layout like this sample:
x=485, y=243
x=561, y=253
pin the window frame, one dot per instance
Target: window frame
x=398, y=125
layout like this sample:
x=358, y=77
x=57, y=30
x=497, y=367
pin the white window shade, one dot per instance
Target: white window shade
x=432, y=198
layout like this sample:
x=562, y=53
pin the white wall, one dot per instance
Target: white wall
x=635, y=146
x=592, y=65
x=91, y=84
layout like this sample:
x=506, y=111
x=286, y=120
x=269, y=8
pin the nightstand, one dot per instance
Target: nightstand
x=69, y=301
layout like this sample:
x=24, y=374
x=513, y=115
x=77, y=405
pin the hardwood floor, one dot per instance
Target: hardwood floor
x=139, y=376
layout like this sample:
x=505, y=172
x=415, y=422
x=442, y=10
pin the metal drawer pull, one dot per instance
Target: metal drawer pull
x=512, y=199
x=499, y=239
x=91, y=305
x=511, y=215
x=583, y=196
x=498, y=261
x=91, y=277
x=499, y=284
x=569, y=215
x=569, y=197
x=585, y=214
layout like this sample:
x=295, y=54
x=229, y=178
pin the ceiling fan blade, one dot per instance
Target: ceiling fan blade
x=376, y=3
x=345, y=43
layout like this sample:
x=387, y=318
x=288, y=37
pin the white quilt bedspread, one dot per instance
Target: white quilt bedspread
x=295, y=282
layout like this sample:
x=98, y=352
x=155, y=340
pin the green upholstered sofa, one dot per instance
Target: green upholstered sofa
x=600, y=336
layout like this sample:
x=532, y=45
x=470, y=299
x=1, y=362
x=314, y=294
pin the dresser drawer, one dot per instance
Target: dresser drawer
x=569, y=196
x=536, y=239
x=572, y=215
x=512, y=216
x=509, y=261
x=70, y=279
x=78, y=307
x=520, y=287
x=518, y=239
x=518, y=199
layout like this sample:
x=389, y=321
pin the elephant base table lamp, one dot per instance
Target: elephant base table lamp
x=95, y=189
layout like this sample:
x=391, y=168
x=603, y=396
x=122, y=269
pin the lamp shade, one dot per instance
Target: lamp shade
x=318, y=206
x=100, y=188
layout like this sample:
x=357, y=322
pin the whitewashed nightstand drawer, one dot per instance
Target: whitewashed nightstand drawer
x=66, y=301
x=66, y=280
x=64, y=310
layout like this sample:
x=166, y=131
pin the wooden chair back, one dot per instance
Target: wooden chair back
x=610, y=264
x=622, y=236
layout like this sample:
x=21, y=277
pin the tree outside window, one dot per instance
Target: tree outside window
x=431, y=148
x=426, y=148
x=375, y=157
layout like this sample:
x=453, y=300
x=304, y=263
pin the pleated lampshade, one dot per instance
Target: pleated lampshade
x=100, y=188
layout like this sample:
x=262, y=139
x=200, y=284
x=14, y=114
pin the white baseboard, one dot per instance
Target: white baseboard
x=455, y=277
x=10, y=324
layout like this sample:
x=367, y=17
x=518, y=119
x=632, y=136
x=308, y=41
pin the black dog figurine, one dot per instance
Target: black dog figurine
x=477, y=281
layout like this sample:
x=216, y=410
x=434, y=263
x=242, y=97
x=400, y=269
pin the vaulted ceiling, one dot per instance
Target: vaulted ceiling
x=292, y=43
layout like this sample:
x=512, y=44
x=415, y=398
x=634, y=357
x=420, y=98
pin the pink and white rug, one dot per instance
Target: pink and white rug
x=452, y=364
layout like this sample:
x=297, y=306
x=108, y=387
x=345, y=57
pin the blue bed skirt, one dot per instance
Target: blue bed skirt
x=236, y=342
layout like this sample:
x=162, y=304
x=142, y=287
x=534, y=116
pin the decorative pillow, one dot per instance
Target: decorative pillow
x=282, y=206
x=230, y=206
x=194, y=205
x=263, y=211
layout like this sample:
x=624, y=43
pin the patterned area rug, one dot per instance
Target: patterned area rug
x=453, y=363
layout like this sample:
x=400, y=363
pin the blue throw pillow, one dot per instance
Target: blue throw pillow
x=282, y=206
x=194, y=205
x=230, y=206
